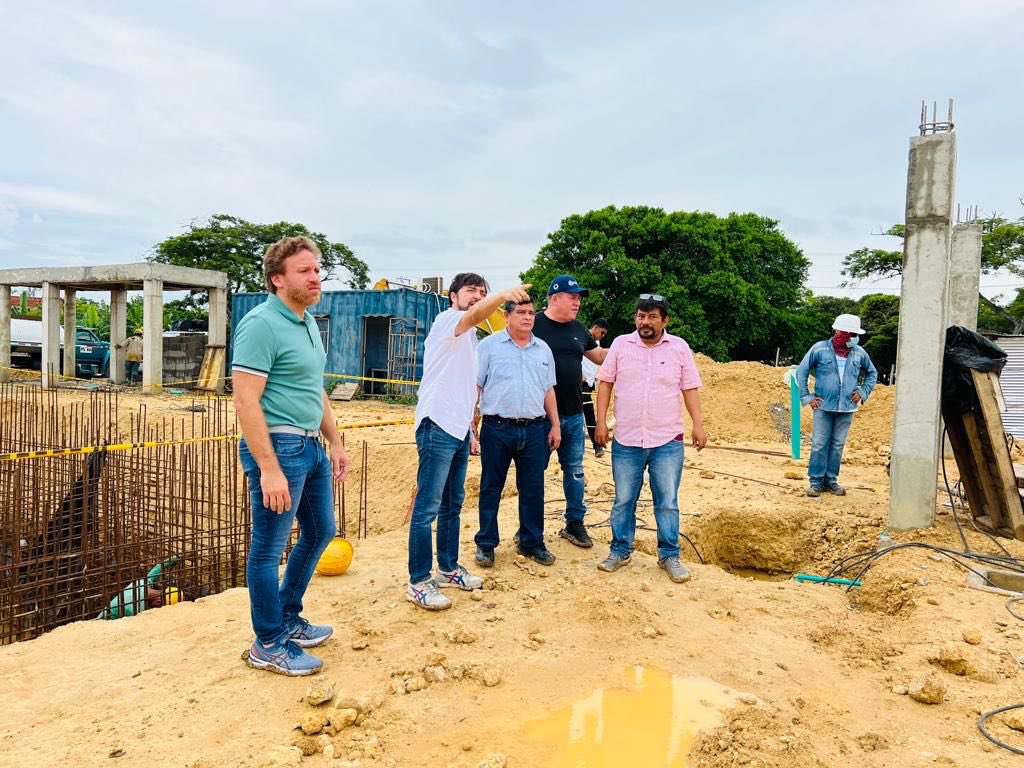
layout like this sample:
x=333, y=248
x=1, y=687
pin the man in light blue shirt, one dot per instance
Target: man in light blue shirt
x=516, y=380
x=843, y=379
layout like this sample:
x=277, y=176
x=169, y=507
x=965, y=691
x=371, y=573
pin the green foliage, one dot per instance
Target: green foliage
x=880, y=317
x=1002, y=244
x=733, y=283
x=235, y=246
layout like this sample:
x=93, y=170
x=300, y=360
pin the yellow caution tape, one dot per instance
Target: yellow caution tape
x=368, y=378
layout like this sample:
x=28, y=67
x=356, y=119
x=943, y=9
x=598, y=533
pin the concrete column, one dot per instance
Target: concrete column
x=964, y=276
x=118, y=333
x=217, y=333
x=5, y=333
x=915, y=442
x=50, y=359
x=70, y=314
x=152, y=336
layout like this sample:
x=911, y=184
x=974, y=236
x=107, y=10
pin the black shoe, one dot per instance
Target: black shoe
x=598, y=451
x=484, y=557
x=836, y=489
x=814, y=491
x=538, y=554
x=576, y=532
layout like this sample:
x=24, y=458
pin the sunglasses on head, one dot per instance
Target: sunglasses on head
x=652, y=297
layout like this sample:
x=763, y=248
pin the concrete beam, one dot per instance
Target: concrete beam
x=70, y=348
x=133, y=276
x=118, y=334
x=152, y=337
x=915, y=444
x=5, y=333
x=50, y=358
x=217, y=326
x=964, y=276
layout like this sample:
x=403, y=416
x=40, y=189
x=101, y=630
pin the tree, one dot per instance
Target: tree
x=235, y=246
x=880, y=317
x=733, y=283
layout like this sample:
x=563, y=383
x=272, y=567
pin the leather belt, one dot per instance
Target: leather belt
x=516, y=422
x=288, y=429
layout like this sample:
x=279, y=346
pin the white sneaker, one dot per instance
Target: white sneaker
x=460, y=578
x=426, y=595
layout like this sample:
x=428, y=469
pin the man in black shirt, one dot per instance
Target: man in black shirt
x=569, y=340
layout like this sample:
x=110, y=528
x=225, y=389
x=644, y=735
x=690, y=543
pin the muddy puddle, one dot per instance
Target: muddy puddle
x=652, y=719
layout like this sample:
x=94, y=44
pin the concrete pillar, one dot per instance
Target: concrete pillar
x=50, y=358
x=152, y=336
x=217, y=326
x=964, y=276
x=5, y=333
x=70, y=314
x=915, y=443
x=118, y=333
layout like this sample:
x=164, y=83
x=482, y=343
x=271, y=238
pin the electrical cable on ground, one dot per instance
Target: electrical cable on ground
x=981, y=727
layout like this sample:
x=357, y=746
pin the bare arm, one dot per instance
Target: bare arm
x=596, y=355
x=486, y=306
x=551, y=409
x=691, y=398
x=248, y=390
x=339, y=459
x=604, y=397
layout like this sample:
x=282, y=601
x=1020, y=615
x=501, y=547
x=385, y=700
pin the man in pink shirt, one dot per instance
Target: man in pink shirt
x=649, y=369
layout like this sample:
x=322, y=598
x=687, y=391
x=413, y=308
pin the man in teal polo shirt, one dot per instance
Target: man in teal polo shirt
x=277, y=365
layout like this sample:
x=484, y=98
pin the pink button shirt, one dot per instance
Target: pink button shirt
x=648, y=381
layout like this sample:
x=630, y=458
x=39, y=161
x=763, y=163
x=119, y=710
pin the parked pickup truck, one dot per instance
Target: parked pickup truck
x=91, y=353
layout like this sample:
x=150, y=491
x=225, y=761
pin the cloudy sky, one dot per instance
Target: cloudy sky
x=433, y=137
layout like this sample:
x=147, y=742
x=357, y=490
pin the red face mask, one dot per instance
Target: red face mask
x=839, y=340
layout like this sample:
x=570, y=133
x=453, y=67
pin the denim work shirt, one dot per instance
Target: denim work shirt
x=513, y=380
x=835, y=394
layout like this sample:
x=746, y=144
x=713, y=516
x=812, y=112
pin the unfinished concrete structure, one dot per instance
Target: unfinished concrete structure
x=149, y=277
x=924, y=313
x=964, y=275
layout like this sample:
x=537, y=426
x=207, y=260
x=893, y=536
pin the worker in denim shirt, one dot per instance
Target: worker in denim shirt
x=843, y=379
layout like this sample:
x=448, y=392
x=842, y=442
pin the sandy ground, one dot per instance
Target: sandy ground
x=808, y=675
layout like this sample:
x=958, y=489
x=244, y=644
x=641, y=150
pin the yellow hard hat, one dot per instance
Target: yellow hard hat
x=138, y=331
x=336, y=558
x=171, y=596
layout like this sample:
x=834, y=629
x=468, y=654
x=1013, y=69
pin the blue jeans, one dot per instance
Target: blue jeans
x=827, y=442
x=440, y=491
x=304, y=463
x=570, y=456
x=500, y=444
x=664, y=465
x=131, y=370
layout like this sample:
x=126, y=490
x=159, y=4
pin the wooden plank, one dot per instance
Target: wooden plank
x=211, y=374
x=1018, y=471
x=1002, y=468
x=345, y=391
x=966, y=440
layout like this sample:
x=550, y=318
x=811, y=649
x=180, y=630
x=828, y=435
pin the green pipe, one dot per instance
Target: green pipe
x=802, y=577
x=794, y=416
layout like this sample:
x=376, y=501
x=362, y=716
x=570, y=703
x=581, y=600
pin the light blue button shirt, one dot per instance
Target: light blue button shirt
x=514, y=380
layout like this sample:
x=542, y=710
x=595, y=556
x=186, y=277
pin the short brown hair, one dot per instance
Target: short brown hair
x=276, y=254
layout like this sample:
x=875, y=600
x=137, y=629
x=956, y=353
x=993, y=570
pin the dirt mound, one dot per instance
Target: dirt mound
x=748, y=402
x=757, y=736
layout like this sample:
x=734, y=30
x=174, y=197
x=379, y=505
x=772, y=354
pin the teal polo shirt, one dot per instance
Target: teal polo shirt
x=272, y=342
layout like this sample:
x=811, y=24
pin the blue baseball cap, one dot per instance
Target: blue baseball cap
x=566, y=284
